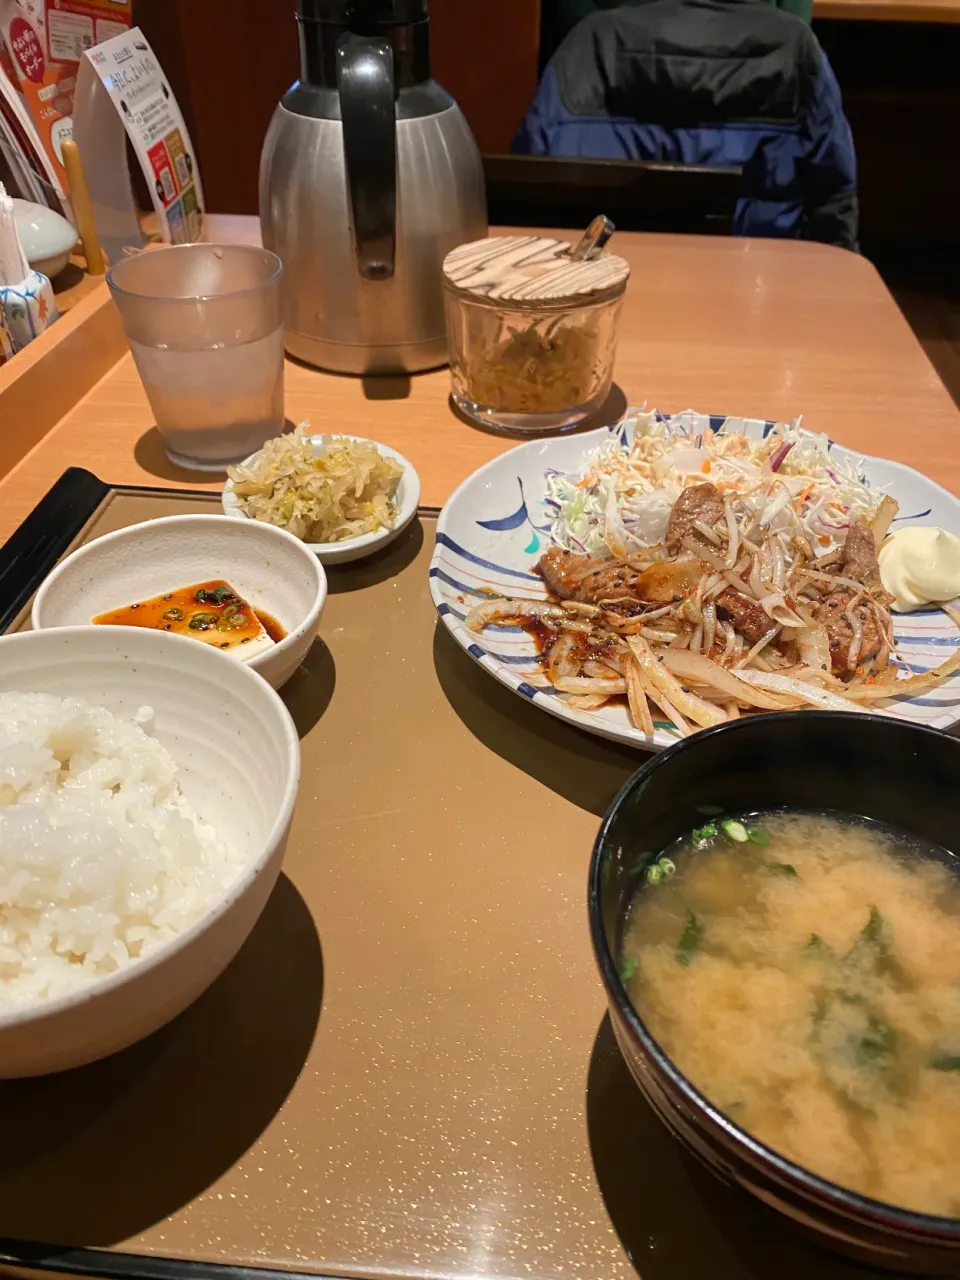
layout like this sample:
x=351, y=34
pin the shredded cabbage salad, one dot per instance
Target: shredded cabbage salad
x=344, y=491
x=789, y=483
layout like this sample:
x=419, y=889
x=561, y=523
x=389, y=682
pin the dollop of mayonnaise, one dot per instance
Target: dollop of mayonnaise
x=920, y=566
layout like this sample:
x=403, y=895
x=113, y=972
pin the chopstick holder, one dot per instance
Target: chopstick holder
x=26, y=297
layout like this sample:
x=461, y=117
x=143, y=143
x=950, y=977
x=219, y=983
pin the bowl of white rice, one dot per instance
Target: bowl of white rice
x=146, y=793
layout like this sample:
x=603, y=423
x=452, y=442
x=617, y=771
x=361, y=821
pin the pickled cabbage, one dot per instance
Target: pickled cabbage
x=534, y=372
x=345, y=490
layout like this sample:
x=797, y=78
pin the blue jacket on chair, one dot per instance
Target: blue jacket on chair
x=708, y=82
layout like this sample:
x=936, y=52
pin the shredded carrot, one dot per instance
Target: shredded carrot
x=824, y=540
x=798, y=502
x=706, y=467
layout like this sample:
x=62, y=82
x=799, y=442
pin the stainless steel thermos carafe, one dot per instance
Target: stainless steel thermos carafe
x=369, y=176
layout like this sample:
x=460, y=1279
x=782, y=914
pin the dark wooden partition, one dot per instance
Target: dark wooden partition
x=230, y=61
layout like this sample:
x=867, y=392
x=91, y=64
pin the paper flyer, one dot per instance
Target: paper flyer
x=44, y=42
x=131, y=74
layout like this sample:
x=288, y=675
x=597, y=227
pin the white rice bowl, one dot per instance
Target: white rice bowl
x=101, y=858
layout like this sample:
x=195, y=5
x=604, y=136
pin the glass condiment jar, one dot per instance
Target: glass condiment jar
x=532, y=331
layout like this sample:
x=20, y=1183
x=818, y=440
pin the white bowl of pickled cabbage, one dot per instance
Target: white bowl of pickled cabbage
x=344, y=497
x=146, y=791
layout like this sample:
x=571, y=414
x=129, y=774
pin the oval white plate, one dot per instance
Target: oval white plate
x=407, y=499
x=494, y=527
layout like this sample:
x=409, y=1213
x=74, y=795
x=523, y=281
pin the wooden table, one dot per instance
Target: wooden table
x=763, y=328
x=889, y=10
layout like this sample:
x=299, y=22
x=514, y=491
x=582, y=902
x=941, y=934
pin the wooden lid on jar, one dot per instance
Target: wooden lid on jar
x=532, y=269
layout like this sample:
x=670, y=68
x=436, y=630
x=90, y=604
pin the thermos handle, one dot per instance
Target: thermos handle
x=365, y=80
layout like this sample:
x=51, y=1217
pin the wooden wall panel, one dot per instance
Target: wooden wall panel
x=486, y=53
x=229, y=62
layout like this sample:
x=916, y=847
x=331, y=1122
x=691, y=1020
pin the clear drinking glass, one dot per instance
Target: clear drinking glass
x=205, y=327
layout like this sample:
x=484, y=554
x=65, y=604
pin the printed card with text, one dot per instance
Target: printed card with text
x=134, y=79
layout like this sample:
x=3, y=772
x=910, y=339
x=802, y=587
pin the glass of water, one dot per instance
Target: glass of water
x=205, y=328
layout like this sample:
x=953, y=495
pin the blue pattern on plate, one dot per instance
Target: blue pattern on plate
x=948, y=642
x=516, y=520
x=444, y=541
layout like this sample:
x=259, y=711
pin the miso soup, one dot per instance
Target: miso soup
x=803, y=971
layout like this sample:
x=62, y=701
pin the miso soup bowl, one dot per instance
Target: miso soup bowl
x=876, y=767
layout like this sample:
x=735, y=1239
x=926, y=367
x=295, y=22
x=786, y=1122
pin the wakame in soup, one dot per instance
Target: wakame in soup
x=803, y=971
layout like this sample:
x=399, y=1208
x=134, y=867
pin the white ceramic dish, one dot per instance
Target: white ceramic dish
x=47, y=237
x=408, y=500
x=494, y=528
x=239, y=763
x=271, y=569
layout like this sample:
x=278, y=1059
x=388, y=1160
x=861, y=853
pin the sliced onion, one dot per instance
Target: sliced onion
x=757, y=589
x=883, y=518
x=493, y=611
x=827, y=678
x=814, y=646
x=709, y=626
x=637, y=699
x=733, y=533
x=585, y=686
x=856, y=628
x=562, y=659
x=751, y=654
x=714, y=561
x=615, y=619
x=587, y=701
x=659, y=699
x=809, y=693
x=833, y=578
x=730, y=639
x=776, y=607
x=695, y=667
x=708, y=533
x=687, y=704
x=906, y=687
x=599, y=670
x=671, y=712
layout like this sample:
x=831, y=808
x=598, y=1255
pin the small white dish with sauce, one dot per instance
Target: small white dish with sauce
x=407, y=500
x=271, y=569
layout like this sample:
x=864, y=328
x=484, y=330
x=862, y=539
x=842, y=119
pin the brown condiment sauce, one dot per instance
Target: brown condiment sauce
x=219, y=616
x=544, y=636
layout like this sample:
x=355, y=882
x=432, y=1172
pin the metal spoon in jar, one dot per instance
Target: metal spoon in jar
x=593, y=239
x=588, y=247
